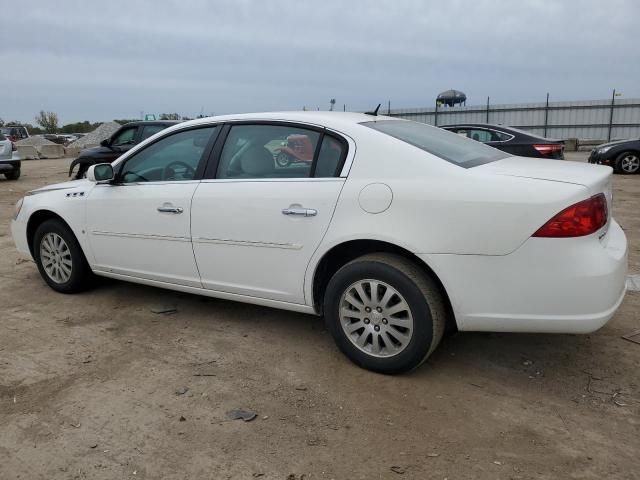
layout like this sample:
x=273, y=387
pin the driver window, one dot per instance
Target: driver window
x=173, y=158
x=125, y=137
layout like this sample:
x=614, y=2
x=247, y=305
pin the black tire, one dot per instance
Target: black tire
x=420, y=292
x=13, y=175
x=81, y=276
x=626, y=168
x=283, y=160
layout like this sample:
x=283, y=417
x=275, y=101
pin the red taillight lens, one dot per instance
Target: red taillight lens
x=583, y=218
x=548, y=149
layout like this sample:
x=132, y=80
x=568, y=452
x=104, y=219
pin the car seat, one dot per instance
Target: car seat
x=257, y=161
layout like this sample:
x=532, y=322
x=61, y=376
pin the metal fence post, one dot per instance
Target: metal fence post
x=435, y=119
x=613, y=101
x=487, y=110
x=546, y=115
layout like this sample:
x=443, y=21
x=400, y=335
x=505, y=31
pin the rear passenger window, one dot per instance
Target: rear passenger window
x=330, y=158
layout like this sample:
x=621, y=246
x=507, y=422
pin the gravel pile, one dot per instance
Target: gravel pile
x=104, y=131
x=35, y=141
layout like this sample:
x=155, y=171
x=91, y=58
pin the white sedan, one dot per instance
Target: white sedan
x=391, y=229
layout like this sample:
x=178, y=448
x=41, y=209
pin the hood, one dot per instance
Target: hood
x=61, y=186
x=93, y=150
x=594, y=177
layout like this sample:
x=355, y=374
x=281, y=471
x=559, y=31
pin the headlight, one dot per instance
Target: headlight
x=604, y=149
x=17, y=208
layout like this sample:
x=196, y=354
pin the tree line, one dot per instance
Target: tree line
x=48, y=122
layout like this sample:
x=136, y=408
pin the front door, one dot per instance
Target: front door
x=140, y=225
x=256, y=224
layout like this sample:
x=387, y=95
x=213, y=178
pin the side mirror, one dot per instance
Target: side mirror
x=100, y=173
x=104, y=143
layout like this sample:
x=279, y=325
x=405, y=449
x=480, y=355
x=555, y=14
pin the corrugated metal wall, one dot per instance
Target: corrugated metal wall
x=585, y=120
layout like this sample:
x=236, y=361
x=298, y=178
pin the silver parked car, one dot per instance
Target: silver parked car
x=9, y=159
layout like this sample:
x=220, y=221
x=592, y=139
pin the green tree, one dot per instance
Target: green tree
x=169, y=116
x=48, y=121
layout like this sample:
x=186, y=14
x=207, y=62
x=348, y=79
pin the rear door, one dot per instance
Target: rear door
x=256, y=223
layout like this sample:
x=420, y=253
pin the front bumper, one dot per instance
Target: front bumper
x=548, y=285
x=19, y=234
x=599, y=159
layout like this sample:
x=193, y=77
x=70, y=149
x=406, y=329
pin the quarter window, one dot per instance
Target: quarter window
x=330, y=158
x=172, y=158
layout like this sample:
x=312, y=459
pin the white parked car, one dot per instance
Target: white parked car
x=393, y=230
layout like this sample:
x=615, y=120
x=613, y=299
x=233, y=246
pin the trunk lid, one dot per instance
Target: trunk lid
x=596, y=178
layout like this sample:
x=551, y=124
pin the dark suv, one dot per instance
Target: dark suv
x=126, y=137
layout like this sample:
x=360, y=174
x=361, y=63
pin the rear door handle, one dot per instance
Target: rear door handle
x=301, y=212
x=170, y=209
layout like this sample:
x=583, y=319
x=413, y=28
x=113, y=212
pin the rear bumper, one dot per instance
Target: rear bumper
x=547, y=285
x=9, y=165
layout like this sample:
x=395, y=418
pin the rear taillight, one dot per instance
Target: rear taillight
x=548, y=149
x=583, y=218
x=13, y=147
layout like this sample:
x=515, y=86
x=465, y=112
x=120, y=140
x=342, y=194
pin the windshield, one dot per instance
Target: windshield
x=453, y=148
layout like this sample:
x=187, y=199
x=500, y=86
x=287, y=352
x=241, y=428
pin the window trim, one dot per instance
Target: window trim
x=213, y=162
x=202, y=162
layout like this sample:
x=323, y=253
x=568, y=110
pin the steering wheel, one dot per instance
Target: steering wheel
x=169, y=172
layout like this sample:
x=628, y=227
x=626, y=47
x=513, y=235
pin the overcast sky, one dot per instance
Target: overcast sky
x=117, y=58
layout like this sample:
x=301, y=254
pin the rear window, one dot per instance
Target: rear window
x=453, y=148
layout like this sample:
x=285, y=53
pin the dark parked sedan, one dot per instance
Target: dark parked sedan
x=623, y=156
x=510, y=140
x=125, y=137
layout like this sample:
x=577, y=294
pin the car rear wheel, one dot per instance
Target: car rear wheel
x=627, y=163
x=384, y=313
x=59, y=258
x=13, y=175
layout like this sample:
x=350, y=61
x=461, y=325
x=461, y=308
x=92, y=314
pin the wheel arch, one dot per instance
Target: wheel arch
x=344, y=252
x=36, y=219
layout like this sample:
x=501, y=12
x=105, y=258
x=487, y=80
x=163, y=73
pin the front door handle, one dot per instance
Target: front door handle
x=167, y=208
x=302, y=212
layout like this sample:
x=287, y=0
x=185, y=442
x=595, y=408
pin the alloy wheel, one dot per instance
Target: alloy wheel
x=55, y=257
x=376, y=318
x=630, y=163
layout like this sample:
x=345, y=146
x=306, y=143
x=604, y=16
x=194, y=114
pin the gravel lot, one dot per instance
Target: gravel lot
x=98, y=386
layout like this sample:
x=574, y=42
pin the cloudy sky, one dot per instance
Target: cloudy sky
x=115, y=59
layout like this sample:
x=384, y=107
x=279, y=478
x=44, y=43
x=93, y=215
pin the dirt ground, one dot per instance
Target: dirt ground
x=98, y=386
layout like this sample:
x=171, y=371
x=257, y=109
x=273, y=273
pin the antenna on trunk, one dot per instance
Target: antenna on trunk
x=375, y=112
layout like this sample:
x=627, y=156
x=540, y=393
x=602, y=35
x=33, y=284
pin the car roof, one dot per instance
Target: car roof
x=168, y=123
x=335, y=120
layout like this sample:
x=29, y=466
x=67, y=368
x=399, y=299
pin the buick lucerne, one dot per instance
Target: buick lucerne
x=393, y=230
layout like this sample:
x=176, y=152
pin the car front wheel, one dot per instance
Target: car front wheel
x=627, y=163
x=59, y=258
x=384, y=312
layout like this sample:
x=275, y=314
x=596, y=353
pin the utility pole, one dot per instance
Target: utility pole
x=613, y=101
x=487, y=110
x=546, y=115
